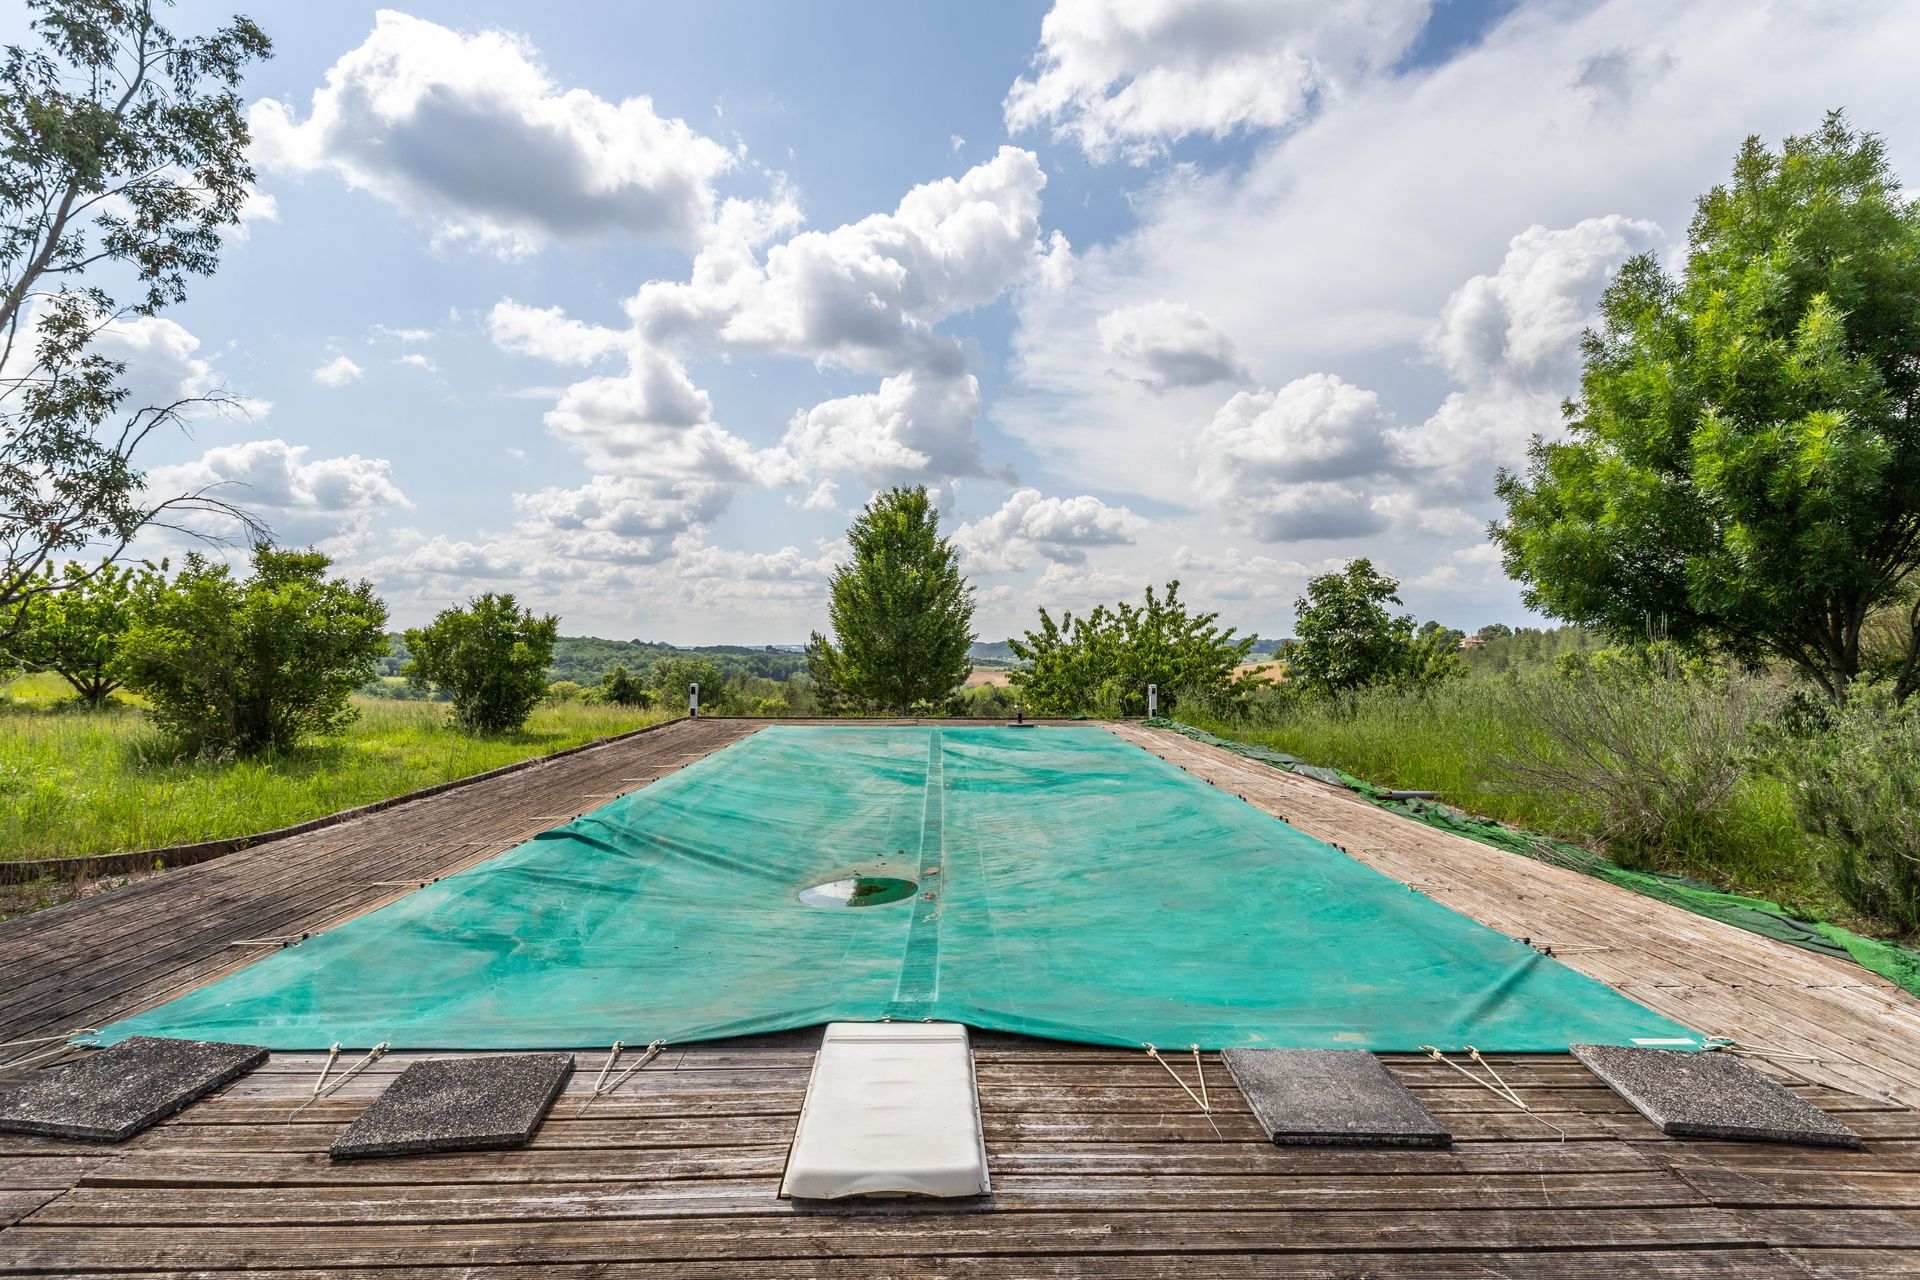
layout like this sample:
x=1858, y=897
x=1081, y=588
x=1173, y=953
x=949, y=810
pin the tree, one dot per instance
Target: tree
x=1347, y=639
x=625, y=690
x=1743, y=467
x=902, y=615
x=562, y=691
x=1494, y=631
x=489, y=658
x=244, y=667
x=75, y=630
x=124, y=159
x=670, y=678
x=1103, y=662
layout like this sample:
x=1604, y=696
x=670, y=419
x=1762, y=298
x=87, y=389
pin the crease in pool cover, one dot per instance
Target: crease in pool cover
x=919, y=985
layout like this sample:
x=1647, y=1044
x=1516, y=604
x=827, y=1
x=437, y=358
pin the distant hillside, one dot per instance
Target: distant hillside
x=997, y=652
x=991, y=651
x=584, y=659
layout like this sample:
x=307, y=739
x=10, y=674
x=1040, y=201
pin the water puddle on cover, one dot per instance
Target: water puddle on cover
x=858, y=891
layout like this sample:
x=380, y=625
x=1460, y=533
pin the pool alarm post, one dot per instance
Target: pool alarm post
x=693, y=701
x=1153, y=701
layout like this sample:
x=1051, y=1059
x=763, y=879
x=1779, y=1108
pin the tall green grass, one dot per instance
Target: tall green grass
x=1453, y=739
x=81, y=782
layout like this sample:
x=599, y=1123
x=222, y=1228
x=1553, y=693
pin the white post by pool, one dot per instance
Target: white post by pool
x=1153, y=701
x=693, y=701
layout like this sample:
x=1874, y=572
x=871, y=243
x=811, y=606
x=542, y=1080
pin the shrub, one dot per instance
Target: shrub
x=73, y=624
x=243, y=667
x=489, y=658
x=1859, y=793
x=1652, y=754
x=1102, y=663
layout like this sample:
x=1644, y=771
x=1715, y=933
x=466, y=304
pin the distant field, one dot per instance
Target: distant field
x=75, y=782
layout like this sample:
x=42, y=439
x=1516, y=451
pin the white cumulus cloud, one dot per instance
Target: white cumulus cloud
x=1289, y=464
x=548, y=333
x=337, y=372
x=470, y=134
x=1172, y=344
x=1522, y=323
x=1129, y=76
x=1031, y=526
x=303, y=500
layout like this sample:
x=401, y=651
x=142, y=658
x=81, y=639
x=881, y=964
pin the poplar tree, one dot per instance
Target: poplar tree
x=902, y=614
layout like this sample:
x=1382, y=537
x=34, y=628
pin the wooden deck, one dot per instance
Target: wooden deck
x=1100, y=1164
x=1710, y=976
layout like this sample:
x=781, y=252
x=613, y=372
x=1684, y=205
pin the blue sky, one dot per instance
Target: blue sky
x=627, y=308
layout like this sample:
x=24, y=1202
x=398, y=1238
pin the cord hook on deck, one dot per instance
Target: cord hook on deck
x=322, y=1087
x=603, y=1086
x=45, y=1056
x=1200, y=1099
x=1492, y=1084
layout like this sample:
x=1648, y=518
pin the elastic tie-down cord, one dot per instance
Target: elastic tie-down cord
x=322, y=1087
x=602, y=1086
x=1786, y=1060
x=1200, y=1099
x=1741, y=1049
x=1493, y=1084
x=54, y=1054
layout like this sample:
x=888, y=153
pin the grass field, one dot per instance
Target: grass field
x=1451, y=741
x=78, y=782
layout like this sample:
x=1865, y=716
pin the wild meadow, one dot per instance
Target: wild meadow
x=1726, y=777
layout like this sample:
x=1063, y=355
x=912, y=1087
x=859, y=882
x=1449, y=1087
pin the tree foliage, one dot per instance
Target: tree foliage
x=1102, y=663
x=620, y=687
x=1743, y=470
x=1347, y=640
x=489, y=658
x=902, y=615
x=74, y=628
x=670, y=678
x=122, y=159
x=246, y=666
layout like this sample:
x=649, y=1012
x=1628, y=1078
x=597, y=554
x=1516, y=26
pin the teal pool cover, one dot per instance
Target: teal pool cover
x=1065, y=884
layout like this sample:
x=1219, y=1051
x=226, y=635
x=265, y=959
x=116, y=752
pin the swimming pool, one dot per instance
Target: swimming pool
x=1054, y=881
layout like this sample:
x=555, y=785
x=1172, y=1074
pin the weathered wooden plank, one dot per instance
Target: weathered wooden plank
x=1841, y=1228
x=1856, y=1264
x=1688, y=1264
x=192, y=1208
x=867, y=1231
x=17, y=1204
x=172, y=1167
x=1813, y=1188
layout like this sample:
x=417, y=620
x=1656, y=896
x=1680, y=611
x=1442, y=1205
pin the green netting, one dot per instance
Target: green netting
x=1899, y=965
x=1069, y=885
